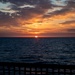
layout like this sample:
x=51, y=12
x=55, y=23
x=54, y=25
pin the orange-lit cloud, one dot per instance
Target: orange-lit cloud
x=40, y=17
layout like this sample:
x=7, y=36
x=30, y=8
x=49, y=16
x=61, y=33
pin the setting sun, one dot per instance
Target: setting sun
x=36, y=36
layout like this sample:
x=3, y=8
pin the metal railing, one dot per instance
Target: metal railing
x=10, y=68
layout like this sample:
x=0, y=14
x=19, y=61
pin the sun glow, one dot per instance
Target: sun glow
x=36, y=36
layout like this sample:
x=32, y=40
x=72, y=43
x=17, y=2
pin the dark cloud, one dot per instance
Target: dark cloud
x=24, y=13
x=12, y=34
x=31, y=2
x=69, y=22
x=71, y=30
x=71, y=4
x=58, y=34
x=13, y=7
x=41, y=6
x=60, y=12
x=7, y=21
x=69, y=7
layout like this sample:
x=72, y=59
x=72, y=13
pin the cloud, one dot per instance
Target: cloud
x=58, y=2
x=71, y=30
x=58, y=34
x=13, y=34
x=71, y=4
x=7, y=8
x=69, y=22
x=7, y=21
x=26, y=5
x=68, y=8
x=22, y=10
x=37, y=16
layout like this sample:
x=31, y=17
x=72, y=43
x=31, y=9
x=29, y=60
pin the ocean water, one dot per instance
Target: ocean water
x=38, y=50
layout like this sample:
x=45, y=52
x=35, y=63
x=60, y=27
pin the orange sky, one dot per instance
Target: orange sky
x=46, y=18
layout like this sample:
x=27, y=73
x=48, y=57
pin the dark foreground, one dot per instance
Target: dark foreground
x=9, y=68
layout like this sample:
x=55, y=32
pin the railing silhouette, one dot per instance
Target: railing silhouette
x=10, y=68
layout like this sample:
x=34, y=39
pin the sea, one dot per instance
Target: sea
x=38, y=50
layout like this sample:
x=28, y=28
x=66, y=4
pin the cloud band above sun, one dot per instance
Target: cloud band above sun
x=27, y=18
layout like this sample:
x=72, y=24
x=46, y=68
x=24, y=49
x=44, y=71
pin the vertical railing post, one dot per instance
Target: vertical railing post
x=41, y=70
x=70, y=71
x=46, y=71
x=24, y=70
x=30, y=70
x=3, y=70
x=14, y=70
x=19, y=70
x=64, y=71
x=58, y=71
x=52, y=71
x=35, y=71
x=8, y=70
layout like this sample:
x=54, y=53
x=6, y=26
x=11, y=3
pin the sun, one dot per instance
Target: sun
x=36, y=36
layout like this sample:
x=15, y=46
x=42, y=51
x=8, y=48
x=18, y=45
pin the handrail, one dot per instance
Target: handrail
x=12, y=68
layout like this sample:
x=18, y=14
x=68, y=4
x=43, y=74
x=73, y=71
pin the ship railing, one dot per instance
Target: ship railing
x=10, y=68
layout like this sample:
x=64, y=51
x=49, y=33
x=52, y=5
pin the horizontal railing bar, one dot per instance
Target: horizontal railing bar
x=35, y=68
x=39, y=65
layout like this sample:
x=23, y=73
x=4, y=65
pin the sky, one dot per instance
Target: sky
x=43, y=18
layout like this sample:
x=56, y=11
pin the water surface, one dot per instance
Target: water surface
x=40, y=50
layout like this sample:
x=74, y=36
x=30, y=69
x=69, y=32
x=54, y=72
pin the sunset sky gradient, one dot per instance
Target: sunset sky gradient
x=43, y=18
